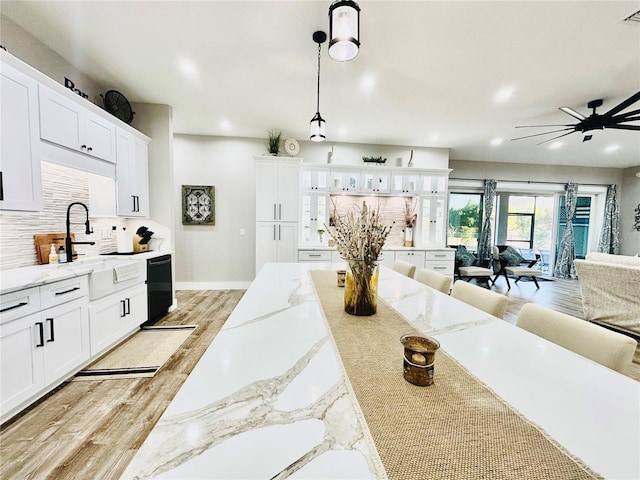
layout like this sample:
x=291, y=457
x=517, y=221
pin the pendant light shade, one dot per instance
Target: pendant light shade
x=344, y=30
x=317, y=124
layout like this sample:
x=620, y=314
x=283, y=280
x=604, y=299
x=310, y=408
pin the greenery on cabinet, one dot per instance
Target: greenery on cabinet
x=273, y=141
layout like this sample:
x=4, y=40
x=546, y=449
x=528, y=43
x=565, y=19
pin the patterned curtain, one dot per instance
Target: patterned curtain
x=484, y=242
x=567, y=252
x=610, y=236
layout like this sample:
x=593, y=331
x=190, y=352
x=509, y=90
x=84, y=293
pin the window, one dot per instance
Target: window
x=465, y=219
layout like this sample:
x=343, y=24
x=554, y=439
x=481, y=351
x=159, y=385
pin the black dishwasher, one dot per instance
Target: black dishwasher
x=159, y=291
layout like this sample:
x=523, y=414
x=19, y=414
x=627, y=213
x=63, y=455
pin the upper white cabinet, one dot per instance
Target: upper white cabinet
x=404, y=182
x=315, y=179
x=375, y=182
x=66, y=122
x=433, y=220
x=276, y=191
x=132, y=179
x=20, y=178
x=313, y=218
x=345, y=180
x=434, y=183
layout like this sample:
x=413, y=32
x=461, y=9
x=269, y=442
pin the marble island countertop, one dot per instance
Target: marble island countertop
x=270, y=398
x=36, y=275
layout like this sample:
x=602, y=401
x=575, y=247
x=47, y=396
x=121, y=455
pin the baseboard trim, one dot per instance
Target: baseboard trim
x=212, y=285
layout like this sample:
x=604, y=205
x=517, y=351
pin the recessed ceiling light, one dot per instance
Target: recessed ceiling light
x=434, y=137
x=504, y=94
x=612, y=148
x=496, y=141
x=368, y=83
x=555, y=145
x=225, y=125
x=188, y=68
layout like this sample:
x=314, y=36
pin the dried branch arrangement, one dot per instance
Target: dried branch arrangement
x=410, y=216
x=359, y=235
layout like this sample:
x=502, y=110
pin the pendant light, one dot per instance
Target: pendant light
x=317, y=125
x=344, y=30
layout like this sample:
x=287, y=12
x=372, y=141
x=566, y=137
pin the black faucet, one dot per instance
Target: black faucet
x=88, y=230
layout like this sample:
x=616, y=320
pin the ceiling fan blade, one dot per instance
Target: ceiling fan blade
x=625, y=127
x=536, y=126
x=618, y=108
x=586, y=138
x=573, y=113
x=622, y=116
x=563, y=135
x=626, y=119
x=545, y=133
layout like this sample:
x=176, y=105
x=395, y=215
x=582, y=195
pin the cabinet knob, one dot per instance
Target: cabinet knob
x=83, y=147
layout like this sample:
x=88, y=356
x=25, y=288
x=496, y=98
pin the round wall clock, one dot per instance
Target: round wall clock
x=291, y=146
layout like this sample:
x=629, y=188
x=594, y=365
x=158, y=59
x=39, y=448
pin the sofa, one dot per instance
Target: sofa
x=610, y=286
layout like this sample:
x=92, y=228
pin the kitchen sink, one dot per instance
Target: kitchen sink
x=109, y=275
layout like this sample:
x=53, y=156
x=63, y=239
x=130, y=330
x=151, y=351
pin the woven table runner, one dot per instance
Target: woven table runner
x=456, y=428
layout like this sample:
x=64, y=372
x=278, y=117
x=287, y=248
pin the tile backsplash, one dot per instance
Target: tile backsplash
x=61, y=186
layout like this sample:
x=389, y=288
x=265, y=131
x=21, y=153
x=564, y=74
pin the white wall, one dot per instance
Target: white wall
x=629, y=201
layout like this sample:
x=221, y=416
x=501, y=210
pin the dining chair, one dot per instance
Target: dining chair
x=502, y=268
x=491, y=302
x=606, y=347
x=434, y=280
x=405, y=268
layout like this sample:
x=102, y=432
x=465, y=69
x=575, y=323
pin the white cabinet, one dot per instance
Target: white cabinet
x=441, y=261
x=277, y=203
x=375, y=182
x=44, y=337
x=434, y=183
x=403, y=182
x=132, y=177
x=315, y=179
x=114, y=317
x=414, y=257
x=275, y=242
x=66, y=122
x=345, y=180
x=433, y=220
x=20, y=177
x=313, y=218
x=314, y=256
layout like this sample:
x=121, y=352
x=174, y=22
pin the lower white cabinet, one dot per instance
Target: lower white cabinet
x=40, y=350
x=113, y=317
x=276, y=242
x=441, y=261
x=415, y=257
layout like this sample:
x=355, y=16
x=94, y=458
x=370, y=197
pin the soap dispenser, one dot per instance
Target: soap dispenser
x=53, y=256
x=62, y=255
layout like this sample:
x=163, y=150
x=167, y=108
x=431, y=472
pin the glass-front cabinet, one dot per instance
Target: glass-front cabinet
x=345, y=180
x=375, y=182
x=315, y=215
x=433, y=221
x=315, y=179
x=435, y=183
x=405, y=182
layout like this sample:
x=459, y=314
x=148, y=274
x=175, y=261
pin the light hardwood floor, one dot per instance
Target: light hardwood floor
x=91, y=430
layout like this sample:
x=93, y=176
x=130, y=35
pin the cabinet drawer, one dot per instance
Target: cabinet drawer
x=439, y=255
x=314, y=256
x=445, y=268
x=19, y=304
x=66, y=290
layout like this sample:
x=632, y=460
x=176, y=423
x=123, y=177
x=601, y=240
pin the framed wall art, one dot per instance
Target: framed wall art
x=198, y=205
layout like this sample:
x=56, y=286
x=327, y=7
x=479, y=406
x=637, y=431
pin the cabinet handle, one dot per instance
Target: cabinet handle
x=440, y=255
x=128, y=310
x=89, y=149
x=274, y=213
x=279, y=233
x=51, y=337
x=83, y=147
x=274, y=232
x=279, y=211
x=1, y=187
x=439, y=268
x=17, y=305
x=123, y=311
x=315, y=255
x=67, y=291
x=41, y=331
x=133, y=201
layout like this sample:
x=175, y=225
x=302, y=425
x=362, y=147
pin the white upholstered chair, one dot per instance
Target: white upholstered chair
x=434, y=280
x=405, y=268
x=517, y=271
x=611, y=349
x=486, y=300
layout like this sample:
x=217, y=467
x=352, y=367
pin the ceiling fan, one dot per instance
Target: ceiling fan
x=596, y=121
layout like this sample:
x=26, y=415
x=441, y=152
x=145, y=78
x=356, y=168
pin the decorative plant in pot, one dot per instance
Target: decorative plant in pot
x=359, y=239
x=410, y=218
x=273, y=141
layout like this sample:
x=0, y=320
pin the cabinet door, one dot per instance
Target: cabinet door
x=61, y=120
x=100, y=137
x=415, y=258
x=405, y=182
x=433, y=221
x=67, y=341
x=434, y=183
x=314, y=217
x=287, y=192
x=105, y=317
x=266, y=244
x=315, y=179
x=345, y=180
x=287, y=244
x=266, y=191
x=20, y=177
x=375, y=182
x=132, y=182
x=21, y=361
x=141, y=172
x=135, y=309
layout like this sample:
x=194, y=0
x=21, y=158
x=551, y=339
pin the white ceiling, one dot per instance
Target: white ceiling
x=432, y=68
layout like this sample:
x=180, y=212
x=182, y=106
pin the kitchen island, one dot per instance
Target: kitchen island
x=270, y=397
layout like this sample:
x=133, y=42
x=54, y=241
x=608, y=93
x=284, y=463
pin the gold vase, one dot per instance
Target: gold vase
x=361, y=288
